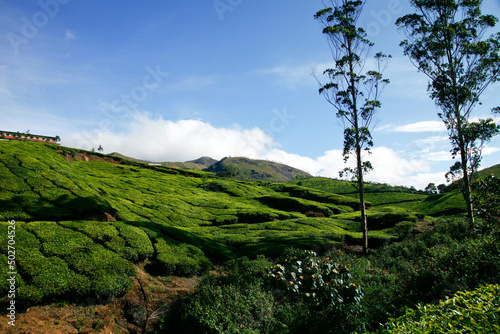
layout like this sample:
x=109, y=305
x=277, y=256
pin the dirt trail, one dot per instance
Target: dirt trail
x=121, y=315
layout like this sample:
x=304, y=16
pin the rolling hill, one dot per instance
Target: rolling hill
x=248, y=169
x=197, y=164
x=84, y=221
x=259, y=170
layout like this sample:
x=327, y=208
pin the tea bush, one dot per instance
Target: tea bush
x=55, y=262
x=109, y=273
x=466, y=312
x=403, y=229
x=180, y=258
x=292, y=204
x=139, y=245
x=98, y=231
x=59, y=241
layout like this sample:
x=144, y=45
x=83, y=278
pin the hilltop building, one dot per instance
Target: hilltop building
x=7, y=135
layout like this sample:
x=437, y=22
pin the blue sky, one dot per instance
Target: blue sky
x=173, y=81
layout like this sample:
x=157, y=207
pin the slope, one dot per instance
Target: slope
x=457, y=184
x=379, y=195
x=262, y=170
x=197, y=164
x=64, y=202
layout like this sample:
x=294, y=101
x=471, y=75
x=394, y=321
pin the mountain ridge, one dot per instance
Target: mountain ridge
x=248, y=169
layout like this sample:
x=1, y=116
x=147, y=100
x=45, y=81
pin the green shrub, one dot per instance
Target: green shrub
x=230, y=309
x=381, y=218
x=487, y=202
x=55, y=279
x=467, y=312
x=182, y=259
x=242, y=271
x=320, y=281
x=109, y=273
x=403, y=229
x=323, y=287
x=295, y=205
x=430, y=272
x=98, y=231
x=139, y=244
x=70, y=262
x=59, y=241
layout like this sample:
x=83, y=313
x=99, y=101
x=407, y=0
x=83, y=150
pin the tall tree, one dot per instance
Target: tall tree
x=445, y=41
x=351, y=91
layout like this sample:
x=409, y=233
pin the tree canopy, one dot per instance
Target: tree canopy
x=446, y=41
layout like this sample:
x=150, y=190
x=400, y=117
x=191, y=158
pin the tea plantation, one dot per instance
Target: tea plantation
x=84, y=220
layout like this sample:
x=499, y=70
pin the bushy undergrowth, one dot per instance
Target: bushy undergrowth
x=302, y=292
x=315, y=296
x=476, y=311
x=449, y=257
x=230, y=309
x=180, y=258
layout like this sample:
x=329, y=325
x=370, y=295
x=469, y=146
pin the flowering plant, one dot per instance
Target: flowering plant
x=320, y=282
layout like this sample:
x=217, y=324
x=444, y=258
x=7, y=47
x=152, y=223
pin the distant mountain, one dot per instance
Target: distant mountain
x=253, y=170
x=247, y=169
x=198, y=164
x=204, y=161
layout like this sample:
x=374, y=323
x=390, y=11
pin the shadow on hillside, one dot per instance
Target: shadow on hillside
x=274, y=247
x=31, y=208
x=216, y=251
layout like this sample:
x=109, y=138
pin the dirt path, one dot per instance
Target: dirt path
x=122, y=315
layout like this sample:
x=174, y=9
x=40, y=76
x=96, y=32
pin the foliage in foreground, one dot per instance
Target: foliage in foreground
x=487, y=201
x=447, y=257
x=258, y=297
x=475, y=311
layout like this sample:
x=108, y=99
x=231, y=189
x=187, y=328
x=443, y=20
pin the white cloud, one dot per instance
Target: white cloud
x=165, y=140
x=424, y=126
x=157, y=139
x=490, y=150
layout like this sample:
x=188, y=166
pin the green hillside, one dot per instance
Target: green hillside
x=258, y=170
x=85, y=220
x=376, y=194
x=197, y=164
x=64, y=214
x=493, y=170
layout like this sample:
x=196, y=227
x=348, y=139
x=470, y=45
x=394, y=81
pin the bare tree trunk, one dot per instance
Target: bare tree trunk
x=467, y=193
x=362, y=207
